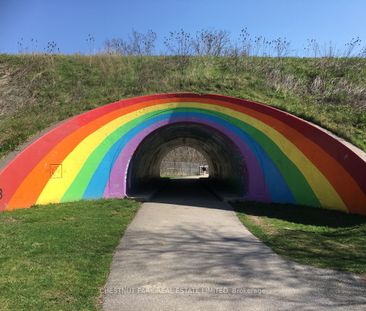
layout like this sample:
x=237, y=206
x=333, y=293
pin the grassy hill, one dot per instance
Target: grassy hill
x=58, y=256
x=37, y=91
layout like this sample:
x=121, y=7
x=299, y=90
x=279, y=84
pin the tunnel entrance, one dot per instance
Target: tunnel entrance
x=217, y=153
x=184, y=162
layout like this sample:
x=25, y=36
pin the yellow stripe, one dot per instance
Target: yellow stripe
x=55, y=188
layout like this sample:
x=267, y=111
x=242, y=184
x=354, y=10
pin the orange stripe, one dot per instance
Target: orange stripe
x=340, y=179
x=31, y=187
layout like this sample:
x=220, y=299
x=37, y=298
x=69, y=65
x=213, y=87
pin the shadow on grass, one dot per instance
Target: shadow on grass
x=300, y=214
x=319, y=237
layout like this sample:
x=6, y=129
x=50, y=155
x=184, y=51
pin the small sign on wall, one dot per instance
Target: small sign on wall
x=56, y=171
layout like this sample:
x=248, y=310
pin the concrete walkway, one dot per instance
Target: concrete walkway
x=188, y=251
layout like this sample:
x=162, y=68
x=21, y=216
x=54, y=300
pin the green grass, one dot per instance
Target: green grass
x=37, y=91
x=318, y=237
x=57, y=257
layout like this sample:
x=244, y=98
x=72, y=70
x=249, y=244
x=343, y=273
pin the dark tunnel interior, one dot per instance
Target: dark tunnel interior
x=227, y=170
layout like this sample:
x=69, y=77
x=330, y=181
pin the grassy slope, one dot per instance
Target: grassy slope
x=57, y=257
x=37, y=91
x=323, y=238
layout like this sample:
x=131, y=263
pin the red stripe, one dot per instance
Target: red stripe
x=12, y=176
x=18, y=169
x=352, y=163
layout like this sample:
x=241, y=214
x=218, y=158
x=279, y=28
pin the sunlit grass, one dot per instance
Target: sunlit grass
x=40, y=90
x=57, y=257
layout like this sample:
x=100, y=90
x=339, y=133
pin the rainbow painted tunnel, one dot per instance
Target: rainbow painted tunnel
x=262, y=153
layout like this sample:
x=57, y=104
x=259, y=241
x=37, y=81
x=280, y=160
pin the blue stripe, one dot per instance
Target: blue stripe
x=275, y=183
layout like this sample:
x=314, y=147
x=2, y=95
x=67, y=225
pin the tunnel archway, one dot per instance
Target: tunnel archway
x=226, y=162
x=287, y=159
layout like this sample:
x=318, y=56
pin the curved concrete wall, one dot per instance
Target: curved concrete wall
x=287, y=159
x=227, y=165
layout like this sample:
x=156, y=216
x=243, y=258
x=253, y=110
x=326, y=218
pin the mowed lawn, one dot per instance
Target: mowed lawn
x=57, y=257
x=318, y=237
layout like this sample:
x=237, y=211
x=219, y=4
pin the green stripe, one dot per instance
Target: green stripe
x=300, y=188
x=81, y=181
x=295, y=180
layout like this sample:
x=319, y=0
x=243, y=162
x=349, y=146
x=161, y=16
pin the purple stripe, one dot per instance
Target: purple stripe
x=116, y=186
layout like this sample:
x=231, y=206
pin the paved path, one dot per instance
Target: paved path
x=192, y=254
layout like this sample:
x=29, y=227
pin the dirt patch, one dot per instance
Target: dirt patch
x=13, y=95
x=261, y=222
x=363, y=277
x=8, y=220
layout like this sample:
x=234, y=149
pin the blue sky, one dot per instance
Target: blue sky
x=68, y=22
